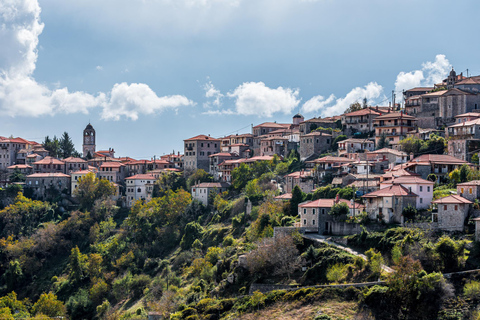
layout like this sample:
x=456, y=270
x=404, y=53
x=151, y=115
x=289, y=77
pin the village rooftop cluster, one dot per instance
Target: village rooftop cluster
x=370, y=159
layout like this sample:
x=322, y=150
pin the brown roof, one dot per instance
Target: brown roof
x=409, y=179
x=420, y=89
x=395, y=115
x=466, y=123
x=332, y=159
x=317, y=133
x=111, y=165
x=388, y=150
x=300, y=174
x=285, y=196
x=72, y=159
x=470, y=183
x=399, y=173
x=212, y=185
x=141, y=177
x=49, y=160
x=221, y=154
x=454, y=198
x=393, y=190
x=328, y=203
x=427, y=159
x=201, y=137
x=362, y=112
x=273, y=125
x=20, y=166
x=48, y=175
x=352, y=140
x=468, y=114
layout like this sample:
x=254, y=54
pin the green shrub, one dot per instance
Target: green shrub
x=471, y=290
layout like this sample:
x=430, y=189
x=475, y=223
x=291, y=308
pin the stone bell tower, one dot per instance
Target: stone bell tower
x=88, y=141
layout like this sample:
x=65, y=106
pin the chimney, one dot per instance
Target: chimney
x=337, y=198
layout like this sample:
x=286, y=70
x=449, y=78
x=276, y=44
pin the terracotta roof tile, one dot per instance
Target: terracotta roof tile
x=454, y=198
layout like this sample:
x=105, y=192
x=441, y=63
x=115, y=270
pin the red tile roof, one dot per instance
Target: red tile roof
x=427, y=159
x=201, y=137
x=454, y=198
x=72, y=159
x=49, y=160
x=362, y=112
x=393, y=190
x=111, y=165
x=272, y=125
x=328, y=203
x=395, y=115
x=141, y=177
x=20, y=166
x=470, y=183
x=300, y=174
x=48, y=175
x=409, y=179
x=285, y=196
x=212, y=185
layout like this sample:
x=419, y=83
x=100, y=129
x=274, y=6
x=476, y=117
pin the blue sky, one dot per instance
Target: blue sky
x=148, y=74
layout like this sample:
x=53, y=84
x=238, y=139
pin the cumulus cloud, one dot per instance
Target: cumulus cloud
x=137, y=98
x=255, y=98
x=317, y=103
x=21, y=95
x=335, y=106
x=430, y=74
x=213, y=94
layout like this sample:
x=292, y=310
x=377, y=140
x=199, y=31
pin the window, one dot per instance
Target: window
x=313, y=222
x=445, y=207
x=421, y=188
x=428, y=189
x=421, y=200
x=323, y=211
x=313, y=211
x=304, y=211
x=304, y=222
x=396, y=201
x=456, y=207
x=470, y=190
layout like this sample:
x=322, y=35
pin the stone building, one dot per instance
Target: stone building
x=139, y=187
x=197, y=152
x=302, y=179
x=355, y=145
x=421, y=187
x=202, y=191
x=89, y=145
x=394, y=126
x=359, y=121
x=464, y=139
x=451, y=212
x=469, y=190
x=314, y=215
x=49, y=164
x=44, y=183
x=387, y=204
x=312, y=145
x=112, y=171
x=307, y=126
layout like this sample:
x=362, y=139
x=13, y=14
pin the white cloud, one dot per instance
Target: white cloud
x=21, y=95
x=254, y=98
x=430, y=74
x=99, y=68
x=317, y=103
x=137, y=98
x=214, y=95
x=333, y=106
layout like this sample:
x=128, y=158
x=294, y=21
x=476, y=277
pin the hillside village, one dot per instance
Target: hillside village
x=368, y=148
x=245, y=225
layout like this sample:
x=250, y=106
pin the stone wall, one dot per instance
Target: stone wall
x=421, y=225
x=264, y=288
x=345, y=229
x=277, y=231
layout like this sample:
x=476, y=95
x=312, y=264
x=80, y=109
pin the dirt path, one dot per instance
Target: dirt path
x=320, y=238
